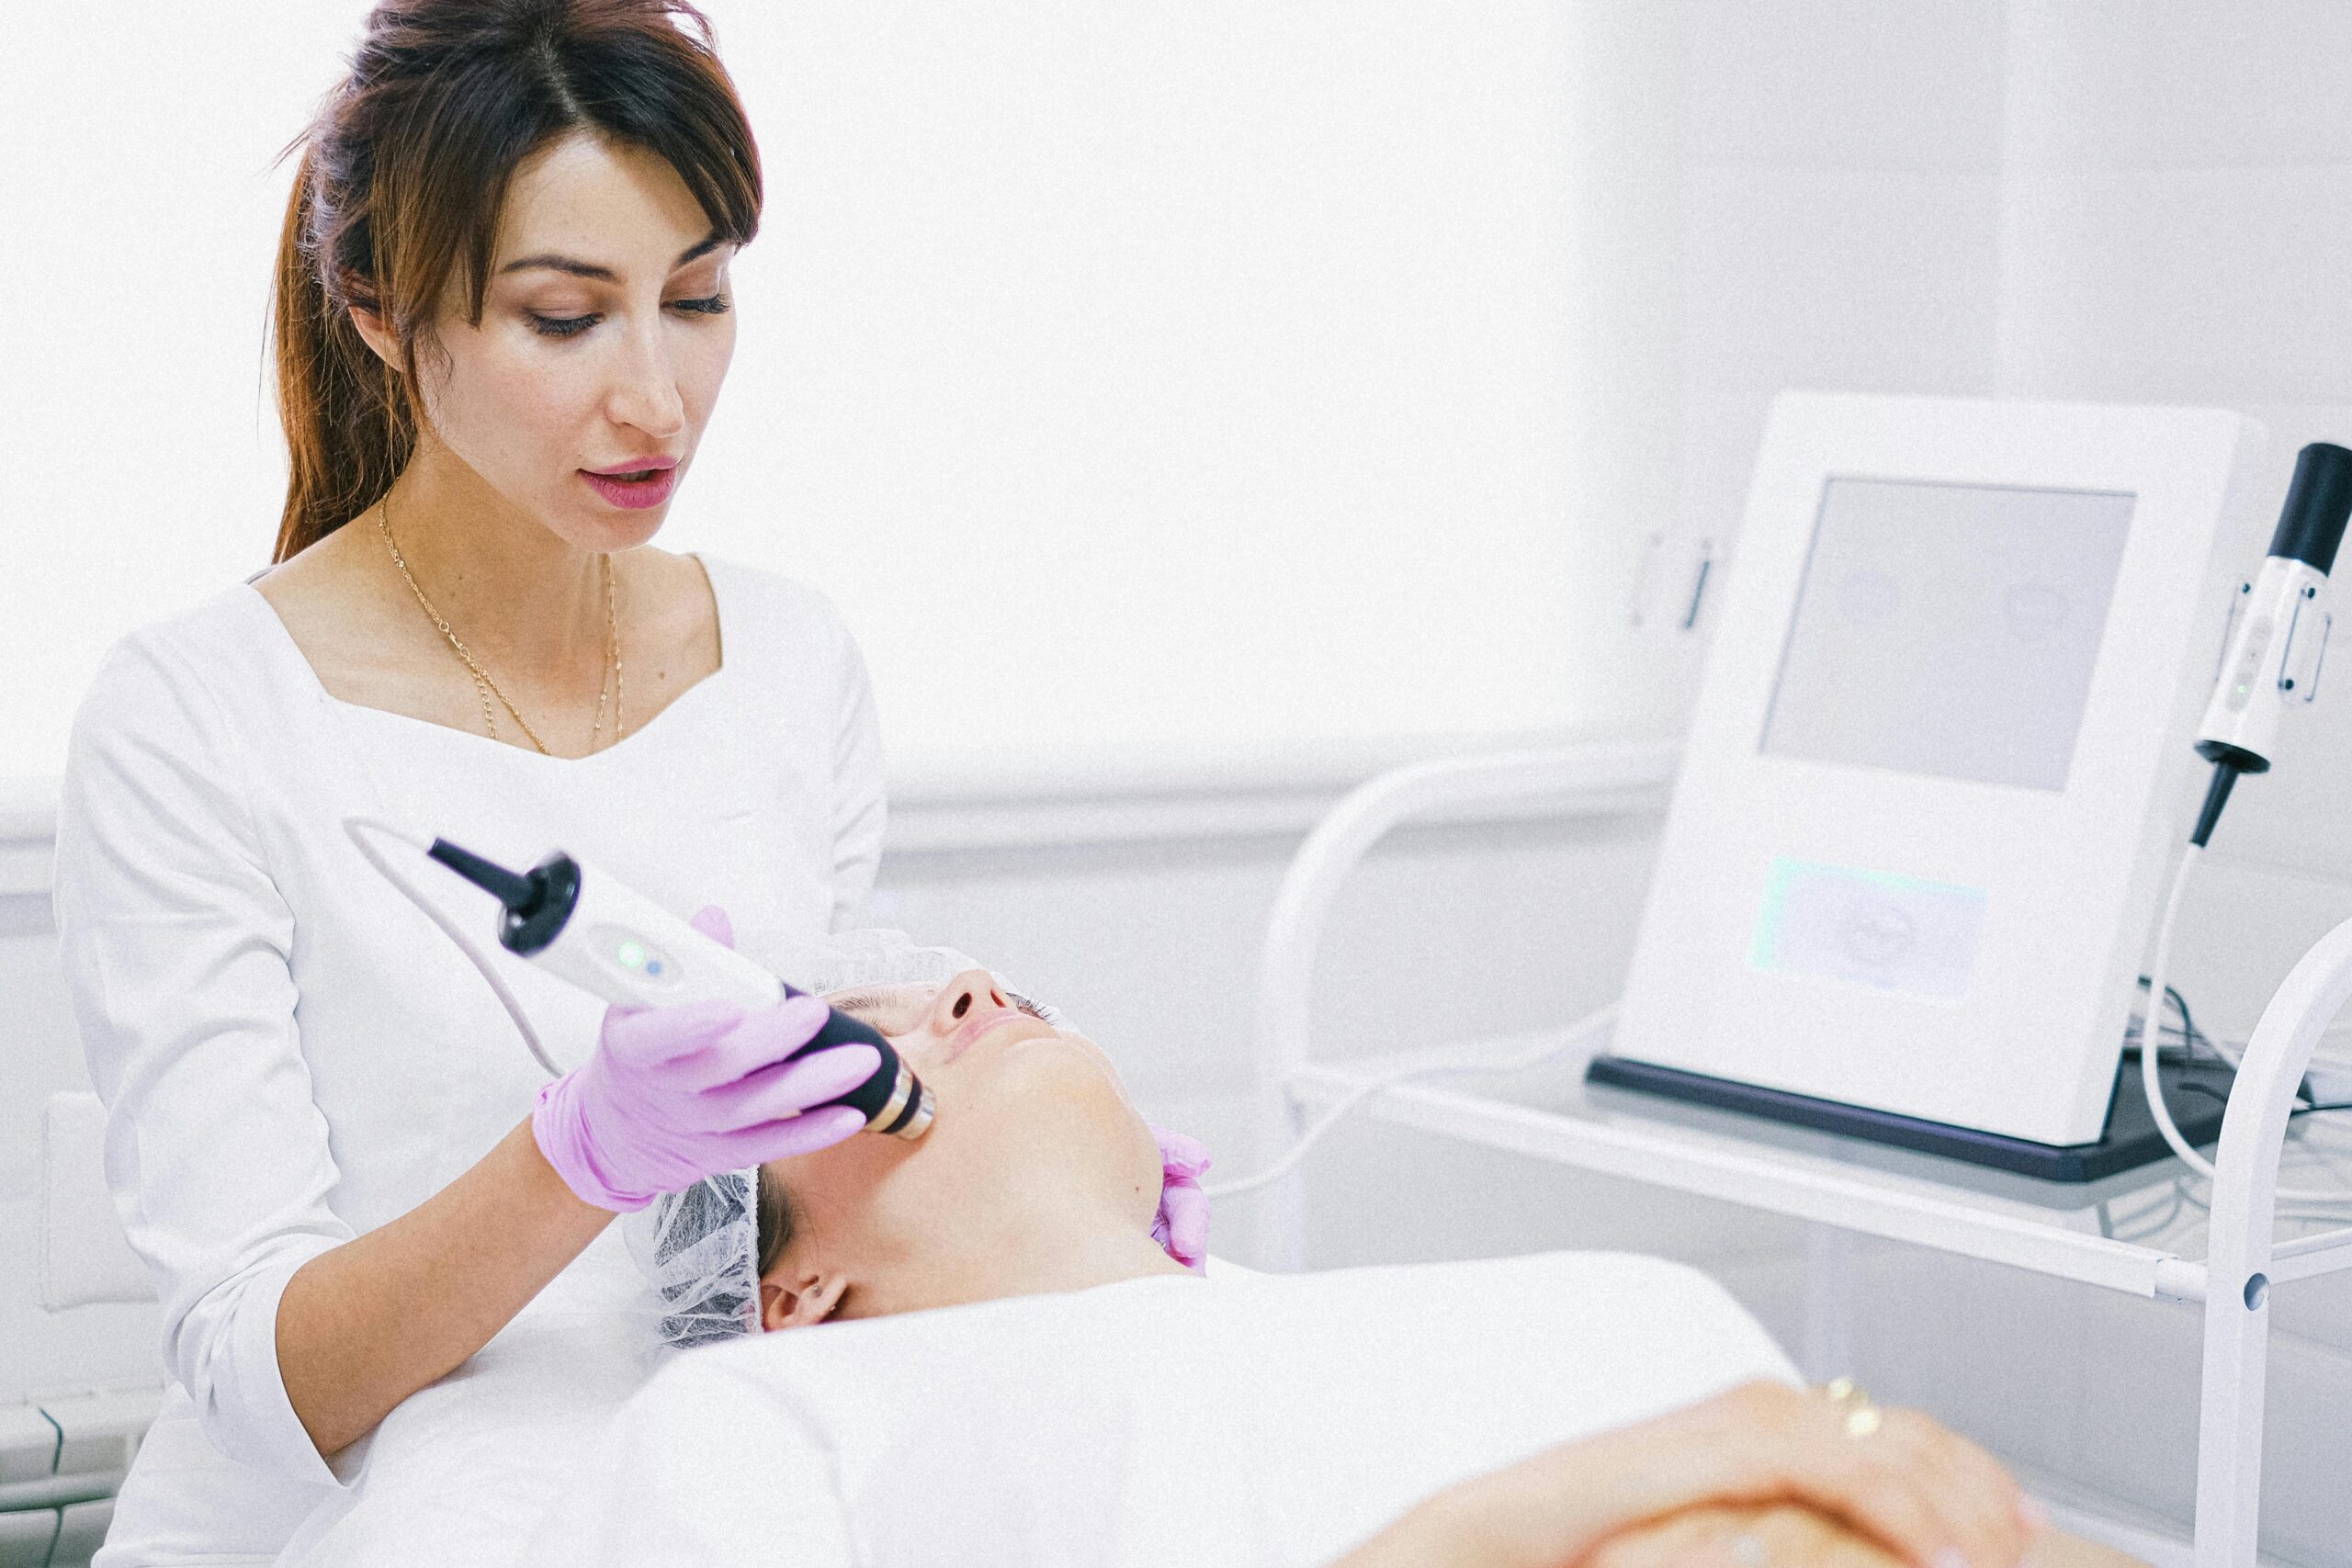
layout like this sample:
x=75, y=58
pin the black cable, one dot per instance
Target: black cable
x=2306, y=1108
x=2227, y=765
x=2190, y=1035
x=2187, y=1024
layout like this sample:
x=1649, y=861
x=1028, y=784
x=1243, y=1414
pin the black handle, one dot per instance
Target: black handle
x=2311, y=526
x=841, y=1028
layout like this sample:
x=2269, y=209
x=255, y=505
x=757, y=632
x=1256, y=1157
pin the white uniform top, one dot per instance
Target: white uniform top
x=290, y=1053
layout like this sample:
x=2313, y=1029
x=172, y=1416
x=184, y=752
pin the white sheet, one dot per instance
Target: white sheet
x=1247, y=1419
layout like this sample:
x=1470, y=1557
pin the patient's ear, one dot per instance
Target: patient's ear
x=792, y=1301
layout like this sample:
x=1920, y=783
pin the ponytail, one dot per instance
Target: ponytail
x=349, y=432
x=396, y=199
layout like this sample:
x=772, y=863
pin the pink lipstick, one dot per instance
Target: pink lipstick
x=635, y=484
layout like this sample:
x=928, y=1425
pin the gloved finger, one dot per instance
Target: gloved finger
x=1187, y=1208
x=758, y=1039
x=643, y=1037
x=712, y=921
x=790, y=1088
x=1179, y=1154
x=784, y=1140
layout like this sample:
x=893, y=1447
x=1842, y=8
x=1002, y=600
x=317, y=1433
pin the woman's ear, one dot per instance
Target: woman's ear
x=375, y=335
x=789, y=1300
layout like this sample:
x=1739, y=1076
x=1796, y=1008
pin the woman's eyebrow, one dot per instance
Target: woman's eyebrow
x=552, y=261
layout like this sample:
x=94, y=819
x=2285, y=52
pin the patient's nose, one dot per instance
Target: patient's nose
x=972, y=990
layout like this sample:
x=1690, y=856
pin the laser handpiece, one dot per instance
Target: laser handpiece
x=2279, y=628
x=613, y=942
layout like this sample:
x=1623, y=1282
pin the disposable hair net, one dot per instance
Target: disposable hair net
x=700, y=1250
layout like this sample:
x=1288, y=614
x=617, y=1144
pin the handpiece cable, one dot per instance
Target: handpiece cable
x=1576, y=1032
x=2218, y=795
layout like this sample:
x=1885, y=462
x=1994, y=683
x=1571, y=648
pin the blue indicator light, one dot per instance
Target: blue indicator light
x=653, y=967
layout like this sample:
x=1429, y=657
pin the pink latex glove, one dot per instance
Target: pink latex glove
x=678, y=1093
x=1182, y=1228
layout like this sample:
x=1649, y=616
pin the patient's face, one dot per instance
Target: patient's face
x=1033, y=1131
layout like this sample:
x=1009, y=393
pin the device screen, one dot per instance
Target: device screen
x=1949, y=629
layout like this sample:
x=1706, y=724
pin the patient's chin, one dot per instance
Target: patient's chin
x=1064, y=1070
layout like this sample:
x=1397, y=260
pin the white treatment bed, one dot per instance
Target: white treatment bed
x=1244, y=1419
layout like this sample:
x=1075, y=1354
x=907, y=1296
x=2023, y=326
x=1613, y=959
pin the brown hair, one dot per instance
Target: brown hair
x=402, y=175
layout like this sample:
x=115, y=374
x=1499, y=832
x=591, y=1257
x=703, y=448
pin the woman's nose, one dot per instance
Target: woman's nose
x=972, y=990
x=644, y=393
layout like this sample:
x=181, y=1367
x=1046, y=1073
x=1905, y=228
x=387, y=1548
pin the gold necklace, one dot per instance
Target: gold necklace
x=614, y=681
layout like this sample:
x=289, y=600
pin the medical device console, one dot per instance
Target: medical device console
x=1918, y=839
x=613, y=942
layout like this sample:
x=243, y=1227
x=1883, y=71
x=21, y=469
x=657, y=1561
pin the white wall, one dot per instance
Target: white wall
x=1204, y=380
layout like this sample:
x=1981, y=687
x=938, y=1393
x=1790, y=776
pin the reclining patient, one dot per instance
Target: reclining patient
x=976, y=1352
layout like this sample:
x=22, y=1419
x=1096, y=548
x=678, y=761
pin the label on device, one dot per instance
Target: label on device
x=1868, y=928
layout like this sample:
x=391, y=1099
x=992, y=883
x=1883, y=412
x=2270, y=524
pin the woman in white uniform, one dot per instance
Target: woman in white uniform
x=503, y=319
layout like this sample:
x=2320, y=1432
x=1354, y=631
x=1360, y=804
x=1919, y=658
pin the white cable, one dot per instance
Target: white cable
x=2149, y=1084
x=360, y=830
x=1363, y=1091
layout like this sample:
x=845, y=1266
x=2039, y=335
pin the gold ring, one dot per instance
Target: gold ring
x=1862, y=1417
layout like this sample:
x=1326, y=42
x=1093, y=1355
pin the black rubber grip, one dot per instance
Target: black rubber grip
x=2311, y=526
x=841, y=1028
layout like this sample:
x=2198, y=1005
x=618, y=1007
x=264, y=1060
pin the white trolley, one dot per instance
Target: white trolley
x=1856, y=1188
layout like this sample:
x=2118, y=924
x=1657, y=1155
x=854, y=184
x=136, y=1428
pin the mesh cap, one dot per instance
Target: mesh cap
x=700, y=1249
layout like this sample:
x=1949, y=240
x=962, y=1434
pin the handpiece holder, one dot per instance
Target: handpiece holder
x=2279, y=623
x=613, y=942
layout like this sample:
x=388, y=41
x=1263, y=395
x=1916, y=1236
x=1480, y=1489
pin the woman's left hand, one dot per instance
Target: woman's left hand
x=1182, y=1227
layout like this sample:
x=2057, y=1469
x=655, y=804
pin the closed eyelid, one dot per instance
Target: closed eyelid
x=901, y=1005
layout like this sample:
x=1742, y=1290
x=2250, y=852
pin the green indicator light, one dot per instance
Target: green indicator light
x=631, y=954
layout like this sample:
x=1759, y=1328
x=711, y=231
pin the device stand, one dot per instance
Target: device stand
x=2195, y=1091
x=2230, y=1285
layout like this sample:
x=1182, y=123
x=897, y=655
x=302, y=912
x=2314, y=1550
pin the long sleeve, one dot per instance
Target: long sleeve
x=176, y=944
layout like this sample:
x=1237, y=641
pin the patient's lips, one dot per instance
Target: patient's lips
x=984, y=1021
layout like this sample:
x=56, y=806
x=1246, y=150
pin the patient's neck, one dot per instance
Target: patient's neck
x=1036, y=1242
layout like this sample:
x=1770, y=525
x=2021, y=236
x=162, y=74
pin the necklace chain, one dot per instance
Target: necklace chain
x=613, y=683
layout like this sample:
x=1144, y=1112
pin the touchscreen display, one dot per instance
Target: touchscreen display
x=1949, y=629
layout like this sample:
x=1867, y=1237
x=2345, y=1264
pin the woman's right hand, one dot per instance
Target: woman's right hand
x=1922, y=1494
x=675, y=1094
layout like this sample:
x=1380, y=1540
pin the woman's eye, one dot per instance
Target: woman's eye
x=562, y=326
x=709, y=305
